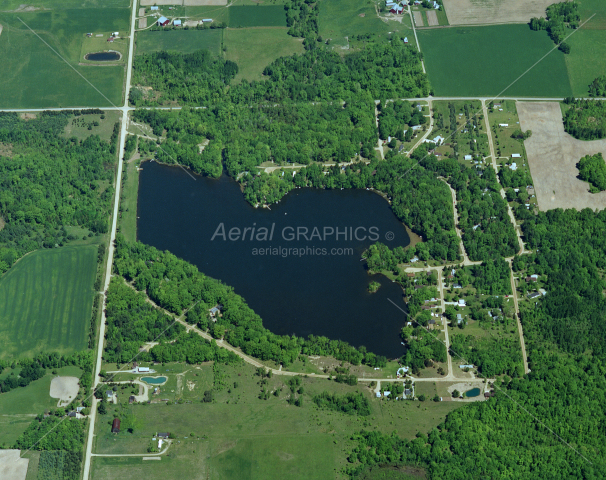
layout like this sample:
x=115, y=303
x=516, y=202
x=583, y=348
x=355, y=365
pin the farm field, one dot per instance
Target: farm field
x=255, y=48
x=341, y=18
x=257, y=16
x=18, y=5
x=587, y=58
x=469, y=12
x=36, y=77
x=46, y=301
x=182, y=41
x=477, y=64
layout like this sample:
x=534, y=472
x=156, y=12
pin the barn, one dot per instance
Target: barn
x=116, y=425
x=163, y=21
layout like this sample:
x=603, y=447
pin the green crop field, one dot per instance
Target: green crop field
x=182, y=41
x=587, y=59
x=61, y=4
x=348, y=18
x=257, y=16
x=36, y=76
x=478, y=61
x=46, y=301
x=255, y=48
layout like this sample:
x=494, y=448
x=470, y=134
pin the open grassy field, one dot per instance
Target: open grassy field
x=342, y=18
x=35, y=76
x=255, y=48
x=127, y=222
x=61, y=4
x=239, y=435
x=182, y=41
x=78, y=126
x=587, y=58
x=476, y=61
x=46, y=301
x=257, y=16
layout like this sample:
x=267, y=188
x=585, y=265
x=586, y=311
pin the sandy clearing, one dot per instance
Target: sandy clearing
x=143, y=22
x=552, y=158
x=12, y=466
x=64, y=388
x=418, y=16
x=469, y=12
x=432, y=18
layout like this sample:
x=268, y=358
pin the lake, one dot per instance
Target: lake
x=321, y=288
x=103, y=56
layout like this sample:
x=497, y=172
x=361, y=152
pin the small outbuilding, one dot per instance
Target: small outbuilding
x=116, y=425
x=143, y=369
x=177, y=23
x=131, y=399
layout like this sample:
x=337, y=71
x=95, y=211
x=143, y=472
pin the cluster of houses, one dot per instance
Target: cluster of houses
x=164, y=22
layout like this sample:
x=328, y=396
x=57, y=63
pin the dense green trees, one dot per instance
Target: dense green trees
x=302, y=18
x=598, y=87
x=53, y=433
x=48, y=182
x=351, y=403
x=397, y=116
x=592, y=169
x=59, y=464
x=491, y=355
x=421, y=345
x=586, y=119
x=560, y=17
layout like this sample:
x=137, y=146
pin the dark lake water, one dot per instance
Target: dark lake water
x=103, y=56
x=309, y=294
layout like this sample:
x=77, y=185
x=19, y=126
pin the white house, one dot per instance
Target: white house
x=462, y=303
x=513, y=166
x=438, y=140
x=177, y=23
x=503, y=125
x=154, y=8
x=405, y=39
x=468, y=157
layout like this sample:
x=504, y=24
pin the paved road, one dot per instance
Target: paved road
x=110, y=255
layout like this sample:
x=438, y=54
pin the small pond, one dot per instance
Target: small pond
x=474, y=392
x=103, y=56
x=159, y=380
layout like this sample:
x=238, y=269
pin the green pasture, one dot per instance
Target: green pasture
x=348, y=18
x=587, y=58
x=182, y=41
x=476, y=61
x=255, y=48
x=78, y=127
x=38, y=75
x=127, y=222
x=46, y=301
x=257, y=16
x=8, y=5
x=595, y=9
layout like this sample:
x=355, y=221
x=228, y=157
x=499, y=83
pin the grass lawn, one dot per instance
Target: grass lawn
x=100, y=44
x=127, y=221
x=46, y=301
x=342, y=18
x=182, y=41
x=78, y=126
x=35, y=76
x=255, y=48
x=257, y=16
x=476, y=61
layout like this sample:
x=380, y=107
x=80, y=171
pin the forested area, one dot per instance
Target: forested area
x=490, y=278
x=560, y=18
x=492, y=355
x=176, y=285
x=586, y=119
x=350, y=403
x=598, y=87
x=53, y=433
x=390, y=70
x=302, y=20
x=422, y=348
x=592, y=169
x=48, y=182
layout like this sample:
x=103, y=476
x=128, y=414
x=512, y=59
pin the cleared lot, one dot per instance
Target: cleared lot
x=552, y=157
x=12, y=466
x=471, y=12
x=432, y=18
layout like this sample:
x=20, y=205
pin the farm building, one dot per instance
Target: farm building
x=143, y=369
x=154, y=8
x=405, y=39
x=163, y=21
x=468, y=157
x=396, y=9
x=163, y=435
x=207, y=20
x=177, y=23
x=131, y=399
x=116, y=425
x=515, y=155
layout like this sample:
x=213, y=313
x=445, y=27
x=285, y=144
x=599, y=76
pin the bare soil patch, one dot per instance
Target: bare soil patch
x=143, y=22
x=432, y=18
x=64, y=388
x=28, y=116
x=418, y=16
x=142, y=12
x=12, y=466
x=470, y=12
x=6, y=150
x=552, y=158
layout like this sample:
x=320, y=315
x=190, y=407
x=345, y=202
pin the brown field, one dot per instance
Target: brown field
x=12, y=466
x=142, y=12
x=470, y=12
x=552, y=158
x=143, y=22
x=418, y=18
x=432, y=18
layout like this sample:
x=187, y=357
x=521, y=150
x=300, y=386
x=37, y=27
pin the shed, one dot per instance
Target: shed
x=177, y=23
x=131, y=399
x=468, y=157
x=534, y=295
x=207, y=20
x=143, y=369
x=405, y=39
x=516, y=155
x=116, y=425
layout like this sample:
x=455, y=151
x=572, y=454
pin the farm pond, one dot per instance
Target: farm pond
x=103, y=56
x=154, y=380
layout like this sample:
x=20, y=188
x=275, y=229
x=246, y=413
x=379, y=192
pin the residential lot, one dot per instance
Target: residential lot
x=553, y=155
x=470, y=12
